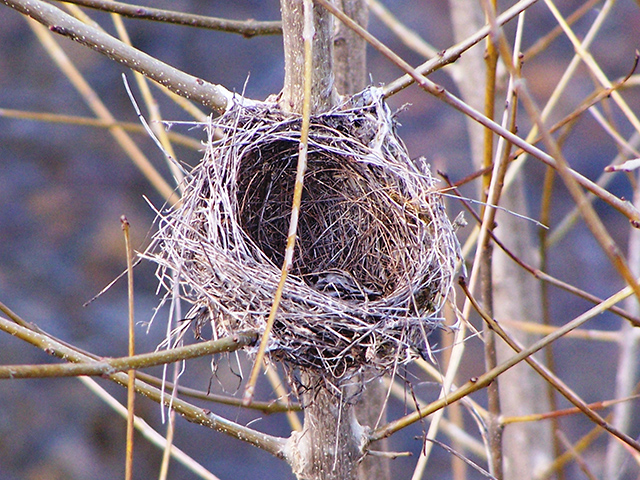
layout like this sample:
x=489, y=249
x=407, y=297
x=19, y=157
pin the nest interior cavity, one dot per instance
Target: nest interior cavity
x=375, y=253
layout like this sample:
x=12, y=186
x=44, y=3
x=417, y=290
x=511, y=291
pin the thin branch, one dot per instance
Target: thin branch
x=451, y=54
x=277, y=406
x=587, y=211
x=540, y=274
x=131, y=381
x=246, y=28
x=586, y=57
x=213, y=96
x=543, y=42
x=535, y=417
x=492, y=185
x=579, y=459
x=155, y=130
x=108, y=366
x=562, y=460
x=441, y=93
x=480, y=382
x=456, y=433
x=177, y=138
x=269, y=443
x=406, y=35
x=588, y=335
x=550, y=377
x=65, y=64
x=147, y=432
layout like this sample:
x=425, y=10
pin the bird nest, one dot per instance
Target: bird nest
x=375, y=253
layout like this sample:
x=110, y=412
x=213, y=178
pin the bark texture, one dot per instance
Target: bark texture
x=350, y=50
x=331, y=443
x=323, y=93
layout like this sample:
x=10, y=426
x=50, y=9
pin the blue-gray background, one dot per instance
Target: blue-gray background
x=63, y=189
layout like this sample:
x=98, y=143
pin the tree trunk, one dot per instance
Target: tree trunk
x=323, y=93
x=350, y=50
x=331, y=443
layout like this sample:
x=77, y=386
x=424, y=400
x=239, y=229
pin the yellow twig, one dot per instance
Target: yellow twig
x=147, y=432
x=94, y=102
x=177, y=138
x=269, y=443
x=581, y=445
x=582, y=334
x=131, y=391
x=283, y=396
x=550, y=377
x=297, y=197
x=483, y=380
x=588, y=60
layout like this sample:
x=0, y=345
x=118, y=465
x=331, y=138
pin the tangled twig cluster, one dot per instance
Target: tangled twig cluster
x=376, y=252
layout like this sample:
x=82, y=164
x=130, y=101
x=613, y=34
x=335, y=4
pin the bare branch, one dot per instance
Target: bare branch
x=109, y=366
x=246, y=28
x=442, y=94
x=558, y=384
x=269, y=443
x=213, y=96
x=268, y=407
x=480, y=382
x=178, y=138
x=451, y=54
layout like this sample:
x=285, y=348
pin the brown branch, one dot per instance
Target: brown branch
x=536, y=272
x=212, y=96
x=191, y=413
x=549, y=376
x=480, y=382
x=267, y=407
x=109, y=366
x=246, y=28
x=491, y=191
x=451, y=54
x=447, y=97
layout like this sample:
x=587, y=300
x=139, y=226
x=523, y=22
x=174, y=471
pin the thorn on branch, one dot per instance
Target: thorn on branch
x=59, y=30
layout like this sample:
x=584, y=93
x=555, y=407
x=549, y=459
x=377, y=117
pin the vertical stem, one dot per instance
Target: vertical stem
x=131, y=392
x=486, y=276
x=330, y=445
x=545, y=219
x=323, y=94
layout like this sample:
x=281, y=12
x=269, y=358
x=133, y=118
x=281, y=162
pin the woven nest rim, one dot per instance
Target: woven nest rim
x=363, y=195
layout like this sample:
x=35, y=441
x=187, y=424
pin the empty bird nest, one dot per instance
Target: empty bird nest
x=375, y=252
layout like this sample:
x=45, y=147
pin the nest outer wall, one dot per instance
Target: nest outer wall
x=375, y=254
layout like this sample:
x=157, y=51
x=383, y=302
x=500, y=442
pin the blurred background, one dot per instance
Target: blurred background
x=63, y=189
